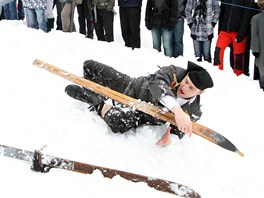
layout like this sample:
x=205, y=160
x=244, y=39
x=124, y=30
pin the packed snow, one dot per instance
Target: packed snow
x=35, y=111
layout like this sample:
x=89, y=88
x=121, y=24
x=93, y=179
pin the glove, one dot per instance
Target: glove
x=174, y=130
x=256, y=54
x=213, y=24
x=190, y=25
x=239, y=39
x=148, y=26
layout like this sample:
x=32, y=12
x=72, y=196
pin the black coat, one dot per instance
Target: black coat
x=236, y=18
x=163, y=15
x=130, y=3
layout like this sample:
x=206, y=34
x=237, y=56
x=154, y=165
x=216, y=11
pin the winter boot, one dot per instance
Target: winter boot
x=50, y=24
x=85, y=95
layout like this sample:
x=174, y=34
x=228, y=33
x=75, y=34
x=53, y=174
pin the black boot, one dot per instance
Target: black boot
x=50, y=24
x=85, y=95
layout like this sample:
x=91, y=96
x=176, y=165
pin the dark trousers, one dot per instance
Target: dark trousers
x=130, y=25
x=103, y=25
x=58, y=5
x=85, y=19
x=118, y=118
x=2, y=16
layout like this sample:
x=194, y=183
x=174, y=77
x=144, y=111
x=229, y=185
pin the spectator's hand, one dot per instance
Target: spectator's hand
x=165, y=140
x=149, y=27
x=256, y=54
x=190, y=25
x=239, y=39
x=213, y=24
x=183, y=120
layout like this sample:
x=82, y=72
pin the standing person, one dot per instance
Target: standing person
x=234, y=25
x=130, y=17
x=161, y=18
x=257, y=42
x=85, y=18
x=67, y=15
x=247, y=50
x=35, y=14
x=202, y=15
x=176, y=88
x=104, y=19
x=178, y=30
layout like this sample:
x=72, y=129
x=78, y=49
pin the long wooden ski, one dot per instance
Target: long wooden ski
x=43, y=163
x=147, y=108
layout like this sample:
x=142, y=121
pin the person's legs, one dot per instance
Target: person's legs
x=167, y=42
x=261, y=77
x=223, y=40
x=40, y=13
x=66, y=17
x=206, y=47
x=197, y=49
x=133, y=18
x=98, y=26
x=126, y=34
x=81, y=17
x=239, y=50
x=105, y=75
x=156, y=38
x=178, y=32
x=32, y=19
x=59, y=10
x=108, y=24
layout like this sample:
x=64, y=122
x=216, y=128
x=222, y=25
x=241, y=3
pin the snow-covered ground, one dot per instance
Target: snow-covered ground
x=35, y=112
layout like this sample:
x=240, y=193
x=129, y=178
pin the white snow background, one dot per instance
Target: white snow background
x=35, y=111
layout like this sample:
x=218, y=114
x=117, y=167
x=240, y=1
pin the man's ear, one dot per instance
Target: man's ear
x=200, y=92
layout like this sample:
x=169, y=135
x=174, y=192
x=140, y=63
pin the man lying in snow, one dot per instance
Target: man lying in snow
x=176, y=88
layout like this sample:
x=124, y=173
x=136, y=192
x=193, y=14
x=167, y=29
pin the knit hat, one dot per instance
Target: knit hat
x=261, y=4
x=199, y=76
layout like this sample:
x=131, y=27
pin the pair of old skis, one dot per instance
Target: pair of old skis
x=43, y=163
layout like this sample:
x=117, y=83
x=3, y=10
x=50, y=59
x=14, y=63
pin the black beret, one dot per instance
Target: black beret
x=199, y=76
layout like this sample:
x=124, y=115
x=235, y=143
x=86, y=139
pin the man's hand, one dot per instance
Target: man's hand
x=183, y=120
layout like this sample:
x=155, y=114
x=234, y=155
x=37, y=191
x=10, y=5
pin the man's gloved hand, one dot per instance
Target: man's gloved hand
x=239, y=39
x=190, y=25
x=256, y=54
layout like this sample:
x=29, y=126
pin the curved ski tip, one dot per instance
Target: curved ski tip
x=240, y=153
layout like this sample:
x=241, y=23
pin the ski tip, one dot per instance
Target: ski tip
x=240, y=153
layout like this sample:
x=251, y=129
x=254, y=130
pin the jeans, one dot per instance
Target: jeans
x=178, y=38
x=36, y=19
x=10, y=11
x=203, y=49
x=165, y=35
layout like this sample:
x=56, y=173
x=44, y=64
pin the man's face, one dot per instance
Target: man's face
x=187, y=89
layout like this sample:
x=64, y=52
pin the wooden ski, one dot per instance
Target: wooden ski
x=43, y=163
x=147, y=108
